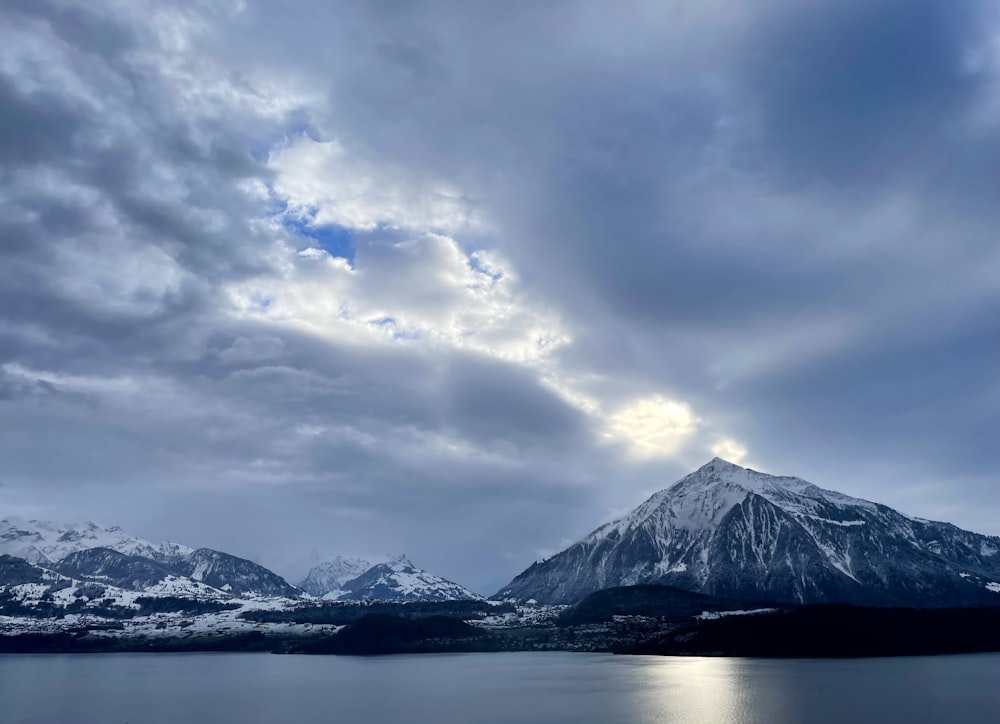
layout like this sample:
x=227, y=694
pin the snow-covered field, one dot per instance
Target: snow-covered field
x=534, y=615
x=154, y=625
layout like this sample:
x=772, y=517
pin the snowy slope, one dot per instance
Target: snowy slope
x=90, y=552
x=31, y=584
x=38, y=600
x=400, y=580
x=330, y=576
x=730, y=531
x=46, y=542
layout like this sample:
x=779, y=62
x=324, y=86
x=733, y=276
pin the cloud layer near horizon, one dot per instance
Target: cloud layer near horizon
x=299, y=279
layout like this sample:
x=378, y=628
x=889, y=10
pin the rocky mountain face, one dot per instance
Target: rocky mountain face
x=17, y=572
x=103, y=565
x=329, y=576
x=237, y=576
x=400, y=580
x=725, y=530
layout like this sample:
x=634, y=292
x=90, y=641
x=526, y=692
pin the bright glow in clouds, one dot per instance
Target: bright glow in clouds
x=730, y=450
x=655, y=426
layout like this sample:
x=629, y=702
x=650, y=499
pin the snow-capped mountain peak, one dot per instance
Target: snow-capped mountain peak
x=729, y=530
x=399, y=580
x=329, y=576
x=702, y=498
x=327, y=579
x=46, y=542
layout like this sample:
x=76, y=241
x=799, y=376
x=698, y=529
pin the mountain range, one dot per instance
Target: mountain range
x=726, y=530
x=723, y=531
x=44, y=542
x=90, y=553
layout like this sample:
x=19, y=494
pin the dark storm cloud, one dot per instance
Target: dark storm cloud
x=34, y=125
x=914, y=392
x=854, y=93
x=780, y=213
x=77, y=26
x=491, y=401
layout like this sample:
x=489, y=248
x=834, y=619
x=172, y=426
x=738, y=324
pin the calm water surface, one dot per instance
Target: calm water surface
x=480, y=688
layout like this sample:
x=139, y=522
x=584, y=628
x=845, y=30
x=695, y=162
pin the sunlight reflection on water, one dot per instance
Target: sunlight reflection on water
x=709, y=690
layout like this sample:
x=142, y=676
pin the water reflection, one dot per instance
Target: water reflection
x=709, y=690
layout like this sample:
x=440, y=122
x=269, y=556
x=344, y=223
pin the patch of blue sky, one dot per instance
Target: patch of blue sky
x=397, y=333
x=477, y=266
x=260, y=303
x=334, y=239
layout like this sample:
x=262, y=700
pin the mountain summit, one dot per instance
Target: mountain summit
x=726, y=530
x=399, y=580
x=328, y=576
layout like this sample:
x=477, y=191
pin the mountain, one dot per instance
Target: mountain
x=94, y=553
x=330, y=576
x=400, y=580
x=237, y=576
x=103, y=565
x=45, y=542
x=27, y=589
x=17, y=572
x=730, y=531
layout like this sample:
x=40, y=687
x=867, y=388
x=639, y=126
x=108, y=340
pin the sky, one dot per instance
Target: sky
x=466, y=280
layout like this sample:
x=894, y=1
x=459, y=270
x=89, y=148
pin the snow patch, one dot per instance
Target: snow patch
x=712, y=615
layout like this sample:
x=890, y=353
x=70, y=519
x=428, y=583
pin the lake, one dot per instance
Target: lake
x=504, y=687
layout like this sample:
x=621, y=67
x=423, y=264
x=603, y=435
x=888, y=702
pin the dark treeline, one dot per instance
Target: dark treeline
x=836, y=631
x=665, y=602
x=83, y=642
x=380, y=633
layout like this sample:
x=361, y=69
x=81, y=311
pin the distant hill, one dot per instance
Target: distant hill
x=664, y=602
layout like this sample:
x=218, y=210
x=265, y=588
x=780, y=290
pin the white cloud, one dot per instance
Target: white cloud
x=425, y=290
x=322, y=178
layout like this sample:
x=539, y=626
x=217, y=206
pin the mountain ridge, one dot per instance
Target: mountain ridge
x=47, y=542
x=106, y=555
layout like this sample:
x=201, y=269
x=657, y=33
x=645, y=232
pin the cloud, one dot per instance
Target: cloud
x=419, y=290
x=384, y=277
x=322, y=179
